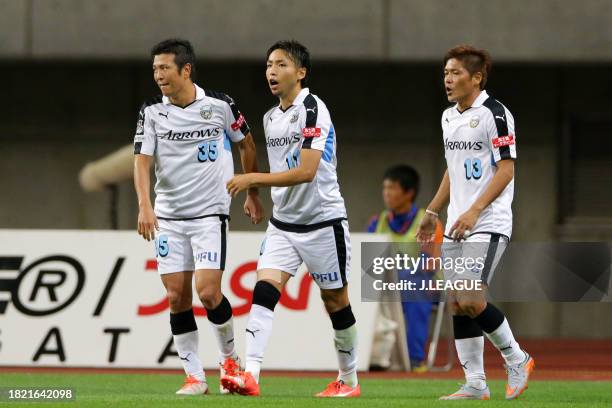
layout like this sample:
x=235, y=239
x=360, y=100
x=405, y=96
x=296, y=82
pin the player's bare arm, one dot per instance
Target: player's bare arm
x=466, y=221
x=304, y=173
x=147, y=221
x=248, y=158
x=427, y=228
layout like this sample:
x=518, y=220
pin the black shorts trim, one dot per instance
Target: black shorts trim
x=491, y=251
x=484, y=232
x=223, y=243
x=340, y=249
x=303, y=228
x=222, y=217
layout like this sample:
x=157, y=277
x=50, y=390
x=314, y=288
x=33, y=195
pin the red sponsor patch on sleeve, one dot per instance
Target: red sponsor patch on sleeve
x=311, y=132
x=503, y=141
x=238, y=123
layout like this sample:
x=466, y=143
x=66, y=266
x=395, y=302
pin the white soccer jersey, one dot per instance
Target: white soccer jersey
x=192, y=152
x=474, y=141
x=304, y=125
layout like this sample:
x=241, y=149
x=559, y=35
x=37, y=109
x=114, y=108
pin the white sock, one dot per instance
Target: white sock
x=225, y=338
x=259, y=328
x=187, y=347
x=346, y=349
x=470, y=352
x=503, y=340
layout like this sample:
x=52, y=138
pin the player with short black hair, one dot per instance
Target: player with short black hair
x=309, y=222
x=187, y=132
x=406, y=176
x=478, y=185
x=297, y=53
x=183, y=53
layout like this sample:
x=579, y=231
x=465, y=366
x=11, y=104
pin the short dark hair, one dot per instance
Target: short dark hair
x=182, y=50
x=298, y=53
x=405, y=175
x=473, y=59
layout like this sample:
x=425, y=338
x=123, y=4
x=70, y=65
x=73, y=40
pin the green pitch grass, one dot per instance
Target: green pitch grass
x=151, y=390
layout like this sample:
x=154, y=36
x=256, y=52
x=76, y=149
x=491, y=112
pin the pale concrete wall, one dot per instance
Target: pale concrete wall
x=228, y=28
x=13, y=28
x=519, y=30
x=403, y=30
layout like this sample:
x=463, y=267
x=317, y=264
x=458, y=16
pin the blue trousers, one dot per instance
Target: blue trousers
x=417, y=312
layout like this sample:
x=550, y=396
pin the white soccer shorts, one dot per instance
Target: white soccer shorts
x=325, y=251
x=475, y=258
x=188, y=245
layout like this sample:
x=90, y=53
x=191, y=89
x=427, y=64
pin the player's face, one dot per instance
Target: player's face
x=282, y=73
x=167, y=75
x=394, y=196
x=458, y=82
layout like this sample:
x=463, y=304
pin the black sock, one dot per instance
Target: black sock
x=465, y=327
x=490, y=318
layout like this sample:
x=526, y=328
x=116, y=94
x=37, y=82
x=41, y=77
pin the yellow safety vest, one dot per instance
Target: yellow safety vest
x=382, y=227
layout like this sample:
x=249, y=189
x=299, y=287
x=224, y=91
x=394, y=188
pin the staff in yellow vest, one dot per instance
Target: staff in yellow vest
x=400, y=221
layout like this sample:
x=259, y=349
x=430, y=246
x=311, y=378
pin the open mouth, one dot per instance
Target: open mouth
x=273, y=83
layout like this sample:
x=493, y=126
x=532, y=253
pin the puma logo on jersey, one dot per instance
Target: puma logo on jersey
x=500, y=117
x=252, y=331
x=313, y=110
x=163, y=114
x=345, y=351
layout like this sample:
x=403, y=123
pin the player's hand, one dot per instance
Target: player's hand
x=253, y=208
x=147, y=223
x=464, y=224
x=238, y=183
x=426, y=230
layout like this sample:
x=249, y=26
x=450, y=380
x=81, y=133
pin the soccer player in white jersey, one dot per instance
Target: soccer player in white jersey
x=309, y=222
x=480, y=150
x=187, y=132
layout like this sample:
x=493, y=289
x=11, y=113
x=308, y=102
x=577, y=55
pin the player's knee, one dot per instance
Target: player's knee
x=266, y=295
x=470, y=308
x=178, y=300
x=210, y=296
x=334, y=300
x=455, y=309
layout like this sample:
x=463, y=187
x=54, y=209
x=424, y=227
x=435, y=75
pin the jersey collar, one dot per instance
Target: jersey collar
x=477, y=102
x=199, y=95
x=480, y=99
x=299, y=99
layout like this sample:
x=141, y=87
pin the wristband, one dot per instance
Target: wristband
x=428, y=211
